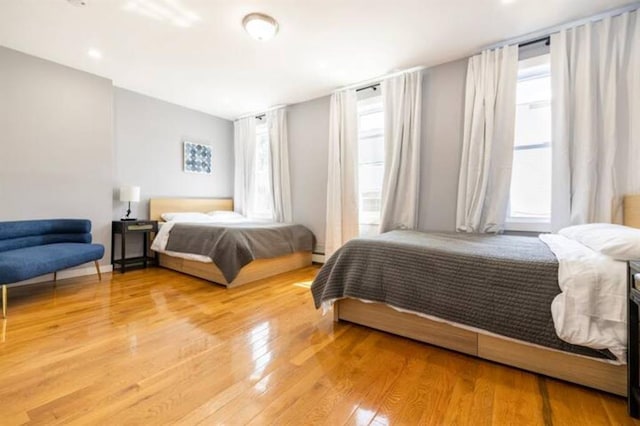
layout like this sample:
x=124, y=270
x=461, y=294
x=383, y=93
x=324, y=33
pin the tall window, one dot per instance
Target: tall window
x=261, y=207
x=370, y=162
x=530, y=197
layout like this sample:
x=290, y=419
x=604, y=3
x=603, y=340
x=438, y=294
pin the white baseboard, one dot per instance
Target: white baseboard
x=317, y=258
x=66, y=273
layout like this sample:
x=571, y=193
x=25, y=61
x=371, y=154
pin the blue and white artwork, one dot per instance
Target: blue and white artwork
x=197, y=158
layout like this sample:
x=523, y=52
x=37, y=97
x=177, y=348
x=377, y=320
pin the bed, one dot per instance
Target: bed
x=208, y=270
x=373, y=260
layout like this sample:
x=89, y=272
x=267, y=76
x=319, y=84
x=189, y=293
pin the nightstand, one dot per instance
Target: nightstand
x=125, y=228
x=633, y=336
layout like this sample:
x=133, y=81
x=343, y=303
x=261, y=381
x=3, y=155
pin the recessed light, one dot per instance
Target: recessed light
x=94, y=53
x=259, y=26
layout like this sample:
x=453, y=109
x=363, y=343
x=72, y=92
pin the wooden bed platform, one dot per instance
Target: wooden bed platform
x=258, y=269
x=561, y=365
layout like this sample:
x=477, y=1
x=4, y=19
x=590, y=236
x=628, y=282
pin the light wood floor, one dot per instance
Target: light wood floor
x=155, y=347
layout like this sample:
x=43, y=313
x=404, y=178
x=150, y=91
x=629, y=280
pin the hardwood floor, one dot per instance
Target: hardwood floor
x=158, y=347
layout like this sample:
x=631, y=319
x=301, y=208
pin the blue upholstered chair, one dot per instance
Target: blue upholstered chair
x=30, y=248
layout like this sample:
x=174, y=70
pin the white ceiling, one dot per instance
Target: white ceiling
x=195, y=53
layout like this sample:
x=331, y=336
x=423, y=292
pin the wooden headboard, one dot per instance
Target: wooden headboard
x=157, y=206
x=632, y=211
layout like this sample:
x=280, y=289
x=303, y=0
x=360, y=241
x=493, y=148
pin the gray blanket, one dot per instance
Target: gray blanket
x=232, y=246
x=501, y=284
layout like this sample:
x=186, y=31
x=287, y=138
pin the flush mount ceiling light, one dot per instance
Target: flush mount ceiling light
x=259, y=26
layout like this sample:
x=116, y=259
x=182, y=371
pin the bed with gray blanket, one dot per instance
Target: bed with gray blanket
x=233, y=246
x=499, y=284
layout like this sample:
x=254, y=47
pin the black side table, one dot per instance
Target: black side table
x=633, y=336
x=126, y=227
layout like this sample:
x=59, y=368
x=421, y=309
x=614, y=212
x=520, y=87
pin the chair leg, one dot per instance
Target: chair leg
x=98, y=270
x=55, y=278
x=4, y=301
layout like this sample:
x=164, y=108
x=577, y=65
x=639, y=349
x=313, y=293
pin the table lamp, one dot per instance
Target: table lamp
x=129, y=194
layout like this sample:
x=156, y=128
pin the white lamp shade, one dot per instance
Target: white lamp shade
x=130, y=193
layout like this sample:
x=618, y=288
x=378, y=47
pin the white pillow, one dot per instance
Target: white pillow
x=616, y=241
x=185, y=217
x=225, y=214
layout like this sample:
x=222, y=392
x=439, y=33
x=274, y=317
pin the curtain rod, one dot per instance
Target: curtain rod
x=261, y=114
x=530, y=38
x=546, y=40
x=376, y=81
x=372, y=86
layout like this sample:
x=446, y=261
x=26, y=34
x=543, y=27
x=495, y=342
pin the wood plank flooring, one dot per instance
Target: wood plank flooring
x=155, y=347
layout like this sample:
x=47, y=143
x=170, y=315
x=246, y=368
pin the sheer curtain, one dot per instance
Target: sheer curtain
x=595, y=72
x=402, y=99
x=280, y=180
x=342, y=180
x=244, y=141
x=487, y=150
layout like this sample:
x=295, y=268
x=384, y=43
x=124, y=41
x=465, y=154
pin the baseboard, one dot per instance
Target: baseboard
x=67, y=273
x=317, y=258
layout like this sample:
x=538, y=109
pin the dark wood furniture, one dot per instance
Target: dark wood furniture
x=633, y=351
x=125, y=228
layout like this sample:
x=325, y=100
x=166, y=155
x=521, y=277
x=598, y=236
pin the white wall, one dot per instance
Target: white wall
x=56, y=128
x=442, y=125
x=148, y=151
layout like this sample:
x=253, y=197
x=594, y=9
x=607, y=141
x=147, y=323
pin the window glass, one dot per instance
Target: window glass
x=261, y=207
x=530, y=196
x=370, y=163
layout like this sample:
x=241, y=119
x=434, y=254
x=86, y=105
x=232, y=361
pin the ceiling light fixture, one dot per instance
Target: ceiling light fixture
x=94, y=53
x=259, y=26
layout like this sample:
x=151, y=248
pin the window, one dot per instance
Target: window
x=530, y=197
x=261, y=206
x=370, y=162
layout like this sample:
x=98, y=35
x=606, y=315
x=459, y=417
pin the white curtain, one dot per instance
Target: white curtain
x=342, y=181
x=280, y=180
x=487, y=150
x=244, y=143
x=595, y=72
x=402, y=100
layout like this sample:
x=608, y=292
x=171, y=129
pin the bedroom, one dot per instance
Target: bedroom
x=100, y=95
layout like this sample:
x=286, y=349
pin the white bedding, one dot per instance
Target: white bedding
x=591, y=310
x=160, y=241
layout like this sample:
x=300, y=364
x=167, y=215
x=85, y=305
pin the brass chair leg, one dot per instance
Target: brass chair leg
x=98, y=269
x=4, y=301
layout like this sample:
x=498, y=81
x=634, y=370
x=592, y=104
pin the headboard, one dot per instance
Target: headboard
x=157, y=206
x=632, y=211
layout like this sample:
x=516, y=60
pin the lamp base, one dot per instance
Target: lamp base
x=126, y=219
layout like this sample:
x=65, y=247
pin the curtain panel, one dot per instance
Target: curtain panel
x=280, y=178
x=342, y=179
x=487, y=150
x=244, y=143
x=595, y=72
x=402, y=100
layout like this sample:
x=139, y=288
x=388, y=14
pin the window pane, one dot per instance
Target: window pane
x=370, y=163
x=531, y=184
x=261, y=206
x=530, y=197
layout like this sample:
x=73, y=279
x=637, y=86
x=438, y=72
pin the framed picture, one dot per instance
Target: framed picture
x=197, y=158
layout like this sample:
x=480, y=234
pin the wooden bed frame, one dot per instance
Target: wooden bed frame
x=258, y=269
x=549, y=362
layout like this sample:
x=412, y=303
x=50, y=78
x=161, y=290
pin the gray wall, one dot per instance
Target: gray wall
x=308, y=127
x=148, y=151
x=56, y=143
x=442, y=126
